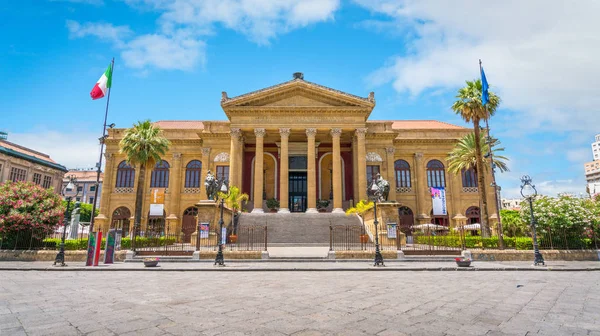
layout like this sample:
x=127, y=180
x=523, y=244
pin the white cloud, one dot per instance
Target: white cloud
x=87, y=2
x=540, y=56
x=72, y=150
x=103, y=31
x=178, y=42
x=580, y=155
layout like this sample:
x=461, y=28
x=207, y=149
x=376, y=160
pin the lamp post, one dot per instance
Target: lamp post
x=219, y=259
x=67, y=192
x=376, y=195
x=528, y=191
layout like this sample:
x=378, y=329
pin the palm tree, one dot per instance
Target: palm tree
x=361, y=209
x=234, y=199
x=464, y=156
x=469, y=106
x=143, y=145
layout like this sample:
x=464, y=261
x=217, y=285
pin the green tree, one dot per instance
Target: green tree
x=28, y=211
x=469, y=106
x=565, y=214
x=361, y=208
x=464, y=155
x=234, y=199
x=143, y=145
x=512, y=223
x=85, y=212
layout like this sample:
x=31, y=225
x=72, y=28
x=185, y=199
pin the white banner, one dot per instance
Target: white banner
x=157, y=209
x=438, y=198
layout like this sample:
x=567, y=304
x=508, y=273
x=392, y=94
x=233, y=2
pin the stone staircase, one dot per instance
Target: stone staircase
x=298, y=229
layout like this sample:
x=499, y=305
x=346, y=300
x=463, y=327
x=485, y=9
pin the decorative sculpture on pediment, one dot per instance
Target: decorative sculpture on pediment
x=224, y=96
x=373, y=157
x=222, y=157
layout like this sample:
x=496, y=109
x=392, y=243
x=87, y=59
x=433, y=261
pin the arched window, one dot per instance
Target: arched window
x=121, y=220
x=402, y=169
x=469, y=178
x=125, y=175
x=435, y=174
x=160, y=175
x=193, y=173
x=473, y=215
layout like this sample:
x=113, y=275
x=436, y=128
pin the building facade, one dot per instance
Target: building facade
x=86, y=180
x=596, y=147
x=297, y=142
x=19, y=163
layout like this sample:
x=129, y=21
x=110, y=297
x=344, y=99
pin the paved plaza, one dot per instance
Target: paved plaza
x=299, y=303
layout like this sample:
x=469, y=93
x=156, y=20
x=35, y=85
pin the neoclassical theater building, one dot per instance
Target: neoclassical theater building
x=297, y=142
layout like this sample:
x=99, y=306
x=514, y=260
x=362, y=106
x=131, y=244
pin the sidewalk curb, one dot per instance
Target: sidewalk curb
x=372, y=269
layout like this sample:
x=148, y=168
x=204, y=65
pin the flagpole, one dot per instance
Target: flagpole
x=491, y=156
x=102, y=140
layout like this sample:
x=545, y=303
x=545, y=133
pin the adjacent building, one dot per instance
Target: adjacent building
x=86, y=181
x=297, y=142
x=19, y=163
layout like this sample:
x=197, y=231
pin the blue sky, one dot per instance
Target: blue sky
x=174, y=57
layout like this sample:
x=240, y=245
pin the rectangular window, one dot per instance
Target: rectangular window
x=79, y=188
x=93, y=188
x=372, y=172
x=91, y=200
x=78, y=199
x=17, y=174
x=37, y=178
x=297, y=162
x=47, y=182
x=223, y=173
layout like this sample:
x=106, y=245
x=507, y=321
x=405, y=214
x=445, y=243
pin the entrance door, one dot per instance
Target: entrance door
x=188, y=223
x=297, y=191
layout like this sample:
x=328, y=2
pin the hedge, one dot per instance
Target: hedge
x=519, y=243
x=81, y=244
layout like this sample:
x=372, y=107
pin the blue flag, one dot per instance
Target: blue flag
x=485, y=97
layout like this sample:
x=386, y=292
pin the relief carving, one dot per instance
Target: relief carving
x=260, y=132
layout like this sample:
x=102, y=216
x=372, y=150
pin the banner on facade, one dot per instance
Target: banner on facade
x=204, y=227
x=109, y=248
x=157, y=196
x=157, y=209
x=438, y=198
x=391, y=228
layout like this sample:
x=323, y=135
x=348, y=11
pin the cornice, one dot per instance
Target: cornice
x=424, y=140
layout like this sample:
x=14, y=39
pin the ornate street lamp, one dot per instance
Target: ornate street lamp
x=528, y=191
x=219, y=259
x=376, y=196
x=69, y=191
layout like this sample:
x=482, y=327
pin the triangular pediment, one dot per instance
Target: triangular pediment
x=297, y=93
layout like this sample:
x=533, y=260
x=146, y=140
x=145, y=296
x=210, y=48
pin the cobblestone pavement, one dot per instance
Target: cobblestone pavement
x=299, y=303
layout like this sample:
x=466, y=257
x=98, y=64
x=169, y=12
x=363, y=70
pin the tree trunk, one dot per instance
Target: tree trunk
x=485, y=229
x=139, y=196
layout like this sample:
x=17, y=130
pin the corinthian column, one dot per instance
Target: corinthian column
x=311, y=175
x=175, y=193
x=284, y=176
x=362, y=163
x=391, y=172
x=101, y=221
x=258, y=170
x=337, y=171
x=233, y=157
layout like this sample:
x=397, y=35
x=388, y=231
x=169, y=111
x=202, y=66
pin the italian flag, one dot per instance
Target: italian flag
x=102, y=85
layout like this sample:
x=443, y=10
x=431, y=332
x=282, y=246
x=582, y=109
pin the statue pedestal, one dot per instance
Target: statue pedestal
x=209, y=212
x=387, y=213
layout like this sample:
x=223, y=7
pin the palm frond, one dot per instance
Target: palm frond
x=463, y=156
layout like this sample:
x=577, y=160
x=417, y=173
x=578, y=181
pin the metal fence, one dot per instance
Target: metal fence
x=355, y=238
x=40, y=239
x=250, y=238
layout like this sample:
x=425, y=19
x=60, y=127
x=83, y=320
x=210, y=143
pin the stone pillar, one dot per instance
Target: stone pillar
x=258, y=170
x=205, y=169
x=337, y=171
x=233, y=157
x=311, y=176
x=175, y=194
x=421, y=189
x=354, y=169
x=240, y=161
x=362, y=163
x=284, y=170
x=391, y=173
x=101, y=221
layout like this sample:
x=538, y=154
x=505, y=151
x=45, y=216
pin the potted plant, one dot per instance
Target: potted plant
x=463, y=262
x=151, y=262
x=273, y=204
x=234, y=200
x=361, y=209
x=322, y=205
